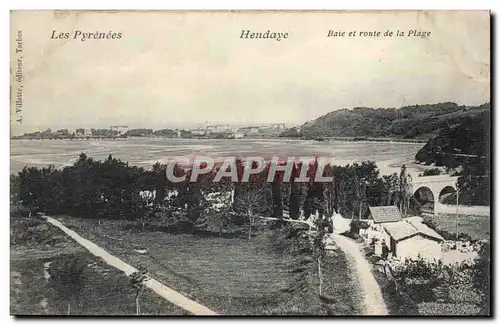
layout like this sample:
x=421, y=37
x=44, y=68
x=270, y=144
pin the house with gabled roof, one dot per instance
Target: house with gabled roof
x=376, y=218
x=406, y=238
x=385, y=214
x=411, y=239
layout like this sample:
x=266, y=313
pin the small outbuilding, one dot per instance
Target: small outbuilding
x=411, y=239
x=385, y=214
x=405, y=238
x=377, y=218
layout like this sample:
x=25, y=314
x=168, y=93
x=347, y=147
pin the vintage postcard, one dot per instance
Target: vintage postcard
x=250, y=163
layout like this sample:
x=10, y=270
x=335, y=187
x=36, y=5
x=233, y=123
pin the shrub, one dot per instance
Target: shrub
x=67, y=278
x=432, y=172
x=356, y=225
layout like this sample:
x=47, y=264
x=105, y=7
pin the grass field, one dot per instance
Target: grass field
x=478, y=227
x=105, y=292
x=232, y=276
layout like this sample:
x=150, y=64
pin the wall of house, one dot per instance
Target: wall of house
x=412, y=247
x=376, y=231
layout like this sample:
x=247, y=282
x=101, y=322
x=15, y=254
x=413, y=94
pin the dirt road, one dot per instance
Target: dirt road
x=373, y=302
x=159, y=288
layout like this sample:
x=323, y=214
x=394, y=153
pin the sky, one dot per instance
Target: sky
x=181, y=69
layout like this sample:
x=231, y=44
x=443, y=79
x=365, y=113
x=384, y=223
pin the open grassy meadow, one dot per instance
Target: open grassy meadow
x=477, y=227
x=105, y=290
x=232, y=276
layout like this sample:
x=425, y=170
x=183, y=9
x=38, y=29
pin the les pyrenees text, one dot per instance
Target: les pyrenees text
x=83, y=36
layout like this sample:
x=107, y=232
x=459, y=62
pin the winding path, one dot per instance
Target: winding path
x=373, y=302
x=159, y=288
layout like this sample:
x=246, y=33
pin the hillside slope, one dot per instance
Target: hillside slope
x=417, y=121
x=465, y=141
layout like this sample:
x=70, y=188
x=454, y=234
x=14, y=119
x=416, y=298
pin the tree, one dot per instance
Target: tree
x=276, y=194
x=314, y=201
x=217, y=212
x=295, y=200
x=159, y=171
x=319, y=250
x=339, y=195
x=137, y=283
x=481, y=278
x=30, y=187
x=15, y=187
x=147, y=211
x=405, y=187
x=67, y=277
x=389, y=190
x=194, y=200
x=329, y=203
x=250, y=202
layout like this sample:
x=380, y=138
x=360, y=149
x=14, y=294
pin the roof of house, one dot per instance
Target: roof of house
x=423, y=228
x=385, y=214
x=408, y=228
x=400, y=230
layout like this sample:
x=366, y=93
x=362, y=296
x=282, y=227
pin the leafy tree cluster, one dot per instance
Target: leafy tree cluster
x=88, y=188
x=139, y=132
x=166, y=133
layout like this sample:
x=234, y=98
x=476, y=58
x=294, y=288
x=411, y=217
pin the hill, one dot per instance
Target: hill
x=469, y=140
x=409, y=122
x=464, y=147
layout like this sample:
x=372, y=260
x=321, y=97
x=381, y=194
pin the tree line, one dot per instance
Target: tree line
x=116, y=190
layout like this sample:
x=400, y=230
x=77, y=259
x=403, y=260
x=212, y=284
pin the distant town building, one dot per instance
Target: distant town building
x=225, y=129
x=87, y=132
x=198, y=131
x=218, y=128
x=278, y=126
x=120, y=129
x=249, y=130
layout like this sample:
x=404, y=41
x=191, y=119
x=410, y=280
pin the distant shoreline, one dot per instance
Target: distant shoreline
x=319, y=139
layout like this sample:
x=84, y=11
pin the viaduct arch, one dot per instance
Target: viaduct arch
x=432, y=189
